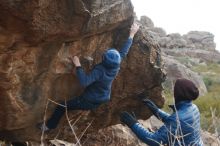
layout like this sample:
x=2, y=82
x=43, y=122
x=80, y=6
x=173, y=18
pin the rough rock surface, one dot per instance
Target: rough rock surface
x=172, y=66
x=193, y=39
x=201, y=55
x=175, y=70
x=176, y=41
x=146, y=21
x=200, y=40
x=37, y=37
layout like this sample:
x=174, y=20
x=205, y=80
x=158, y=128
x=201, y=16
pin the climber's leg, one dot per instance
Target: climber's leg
x=73, y=104
x=56, y=116
x=80, y=104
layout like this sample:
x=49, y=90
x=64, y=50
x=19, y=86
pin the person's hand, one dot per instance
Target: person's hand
x=134, y=29
x=151, y=105
x=75, y=61
x=127, y=119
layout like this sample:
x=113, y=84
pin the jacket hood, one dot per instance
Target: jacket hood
x=111, y=58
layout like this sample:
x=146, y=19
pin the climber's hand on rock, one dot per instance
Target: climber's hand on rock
x=127, y=119
x=134, y=29
x=75, y=61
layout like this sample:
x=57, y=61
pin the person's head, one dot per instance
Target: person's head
x=111, y=58
x=185, y=90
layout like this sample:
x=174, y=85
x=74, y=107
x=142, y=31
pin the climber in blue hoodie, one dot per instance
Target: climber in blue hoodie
x=97, y=83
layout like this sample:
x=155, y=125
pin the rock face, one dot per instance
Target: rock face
x=177, y=70
x=200, y=39
x=36, y=39
x=193, y=39
x=147, y=22
x=198, y=54
x=172, y=48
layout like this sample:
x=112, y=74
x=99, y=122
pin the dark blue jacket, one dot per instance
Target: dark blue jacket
x=185, y=132
x=98, y=82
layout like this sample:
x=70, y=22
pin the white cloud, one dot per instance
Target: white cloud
x=182, y=16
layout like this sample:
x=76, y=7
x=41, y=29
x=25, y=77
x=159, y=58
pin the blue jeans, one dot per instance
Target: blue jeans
x=77, y=103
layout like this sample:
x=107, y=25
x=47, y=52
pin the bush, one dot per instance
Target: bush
x=208, y=82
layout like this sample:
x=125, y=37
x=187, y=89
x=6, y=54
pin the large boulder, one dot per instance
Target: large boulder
x=201, y=55
x=157, y=33
x=36, y=39
x=175, y=41
x=175, y=70
x=193, y=39
x=147, y=22
x=200, y=40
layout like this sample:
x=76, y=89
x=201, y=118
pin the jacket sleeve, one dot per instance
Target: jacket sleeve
x=125, y=48
x=161, y=115
x=85, y=79
x=153, y=139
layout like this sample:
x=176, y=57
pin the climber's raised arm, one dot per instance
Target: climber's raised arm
x=125, y=48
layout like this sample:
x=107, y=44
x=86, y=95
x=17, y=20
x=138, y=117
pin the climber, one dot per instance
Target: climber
x=182, y=128
x=97, y=83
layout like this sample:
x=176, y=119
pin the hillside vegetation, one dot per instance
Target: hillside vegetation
x=209, y=103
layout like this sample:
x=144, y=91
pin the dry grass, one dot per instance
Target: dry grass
x=77, y=138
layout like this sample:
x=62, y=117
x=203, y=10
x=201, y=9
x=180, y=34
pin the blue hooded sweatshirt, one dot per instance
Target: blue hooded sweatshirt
x=98, y=82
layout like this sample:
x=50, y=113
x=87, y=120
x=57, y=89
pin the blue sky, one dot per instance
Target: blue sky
x=182, y=16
